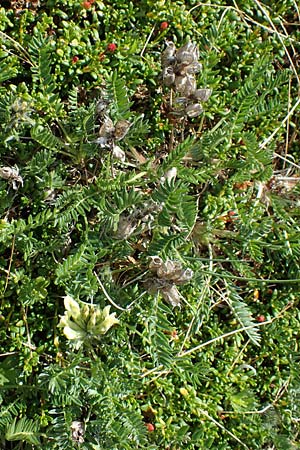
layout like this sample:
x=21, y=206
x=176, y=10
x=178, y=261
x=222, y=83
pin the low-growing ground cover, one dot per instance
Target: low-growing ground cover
x=149, y=227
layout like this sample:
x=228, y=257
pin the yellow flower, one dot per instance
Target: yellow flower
x=72, y=306
x=108, y=320
x=84, y=323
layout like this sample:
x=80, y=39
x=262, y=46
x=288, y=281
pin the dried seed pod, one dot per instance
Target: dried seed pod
x=202, y=95
x=168, y=55
x=77, y=431
x=125, y=227
x=118, y=153
x=171, y=295
x=194, y=110
x=169, y=269
x=183, y=277
x=187, y=54
x=168, y=274
x=155, y=263
x=168, y=290
x=185, y=68
x=107, y=128
x=181, y=101
x=121, y=129
x=154, y=285
x=193, y=68
x=168, y=76
x=11, y=174
x=185, y=85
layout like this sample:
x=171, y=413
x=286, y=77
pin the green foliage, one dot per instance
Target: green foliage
x=86, y=212
x=243, y=315
x=117, y=95
x=24, y=430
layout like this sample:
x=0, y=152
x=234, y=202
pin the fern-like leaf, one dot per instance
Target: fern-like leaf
x=164, y=245
x=157, y=330
x=46, y=138
x=7, y=71
x=176, y=155
x=243, y=315
x=117, y=93
x=25, y=430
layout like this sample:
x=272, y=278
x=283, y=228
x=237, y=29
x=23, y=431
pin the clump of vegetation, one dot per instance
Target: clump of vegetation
x=149, y=231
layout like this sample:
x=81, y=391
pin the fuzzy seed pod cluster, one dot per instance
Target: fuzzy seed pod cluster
x=166, y=276
x=179, y=69
x=110, y=133
x=141, y=216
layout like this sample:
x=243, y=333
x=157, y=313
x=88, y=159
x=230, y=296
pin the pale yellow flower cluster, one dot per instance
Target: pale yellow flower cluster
x=85, y=323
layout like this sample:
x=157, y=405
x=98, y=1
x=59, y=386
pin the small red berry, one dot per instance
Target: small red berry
x=111, y=47
x=261, y=318
x=150, y=427
x=75, y=59
x=164, y=26
x=86, y=5
x=232, y=216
